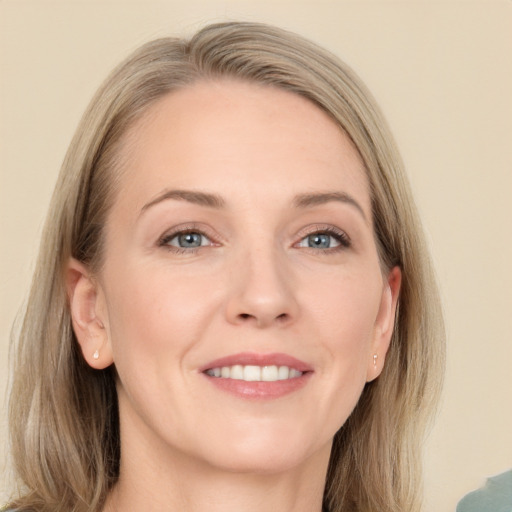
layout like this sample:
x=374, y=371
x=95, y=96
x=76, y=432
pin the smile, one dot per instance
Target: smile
x=250, y=375
x=253, y=373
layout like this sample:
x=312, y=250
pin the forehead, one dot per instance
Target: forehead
x=236, y=139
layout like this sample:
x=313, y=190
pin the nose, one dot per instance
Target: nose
x=262, y=291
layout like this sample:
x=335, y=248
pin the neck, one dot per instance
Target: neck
x=189, y=485
x=216, y=493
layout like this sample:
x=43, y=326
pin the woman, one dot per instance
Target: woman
x=234, y=308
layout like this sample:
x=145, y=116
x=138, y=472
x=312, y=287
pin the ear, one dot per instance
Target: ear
x=384, y=324
x=88, y=315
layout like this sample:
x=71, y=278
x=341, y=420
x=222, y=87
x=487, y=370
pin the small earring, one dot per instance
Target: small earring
x=96, y=355
x=375, y=360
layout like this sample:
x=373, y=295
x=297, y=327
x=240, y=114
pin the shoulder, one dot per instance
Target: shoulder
x=494, y=496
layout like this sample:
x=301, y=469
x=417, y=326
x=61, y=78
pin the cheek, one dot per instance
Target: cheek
x=345, y=317
x=152, y=313
x=155, y=321
x=346, y=309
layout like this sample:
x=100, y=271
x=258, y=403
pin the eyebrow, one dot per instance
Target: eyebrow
x=191, y=196
x=217, y=202
x=309, y=200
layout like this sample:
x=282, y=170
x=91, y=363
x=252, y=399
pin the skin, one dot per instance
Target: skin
x=160, y=312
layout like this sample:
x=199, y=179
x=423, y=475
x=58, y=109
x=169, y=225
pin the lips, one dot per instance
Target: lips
x=254, y=359
x=251, y=375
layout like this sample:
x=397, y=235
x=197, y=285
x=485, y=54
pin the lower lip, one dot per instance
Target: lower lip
x=260, y=389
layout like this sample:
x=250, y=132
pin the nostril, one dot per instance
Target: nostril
x=246, y=316
x=282, y=317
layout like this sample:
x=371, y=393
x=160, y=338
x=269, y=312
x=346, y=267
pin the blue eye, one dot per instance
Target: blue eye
x=187, y=240
x=325, y=239
x=319, y=241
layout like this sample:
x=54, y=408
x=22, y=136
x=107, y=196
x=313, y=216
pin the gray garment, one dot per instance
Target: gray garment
x=494, y=496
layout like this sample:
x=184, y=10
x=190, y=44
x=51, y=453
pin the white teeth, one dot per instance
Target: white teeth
x=269, y=373
x=237, y=372
x=252, y=373
x=294, y=373
x=283, y=373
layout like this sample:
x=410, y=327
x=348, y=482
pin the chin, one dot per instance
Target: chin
x=265, y=455
x=260, y=463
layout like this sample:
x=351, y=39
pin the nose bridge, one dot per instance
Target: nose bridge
x=262, y=288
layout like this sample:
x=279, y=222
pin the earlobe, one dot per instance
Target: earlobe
x=88, y=315
x=385, y=323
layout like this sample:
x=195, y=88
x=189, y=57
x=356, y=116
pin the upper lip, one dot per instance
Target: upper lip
x=252, y=358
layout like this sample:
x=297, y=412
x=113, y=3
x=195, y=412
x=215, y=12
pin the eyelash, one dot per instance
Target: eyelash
x=340, y=236
x=180, y=231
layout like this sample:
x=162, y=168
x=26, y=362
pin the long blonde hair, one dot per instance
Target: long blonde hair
x=63, y=415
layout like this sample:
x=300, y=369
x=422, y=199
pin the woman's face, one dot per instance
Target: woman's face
x=241, y=297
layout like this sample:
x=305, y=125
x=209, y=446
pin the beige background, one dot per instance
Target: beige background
x=442, y=74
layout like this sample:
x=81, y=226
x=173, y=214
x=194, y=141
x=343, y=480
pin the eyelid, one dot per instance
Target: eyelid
x=181, y=229
x=163, y=241
x=341, y=236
